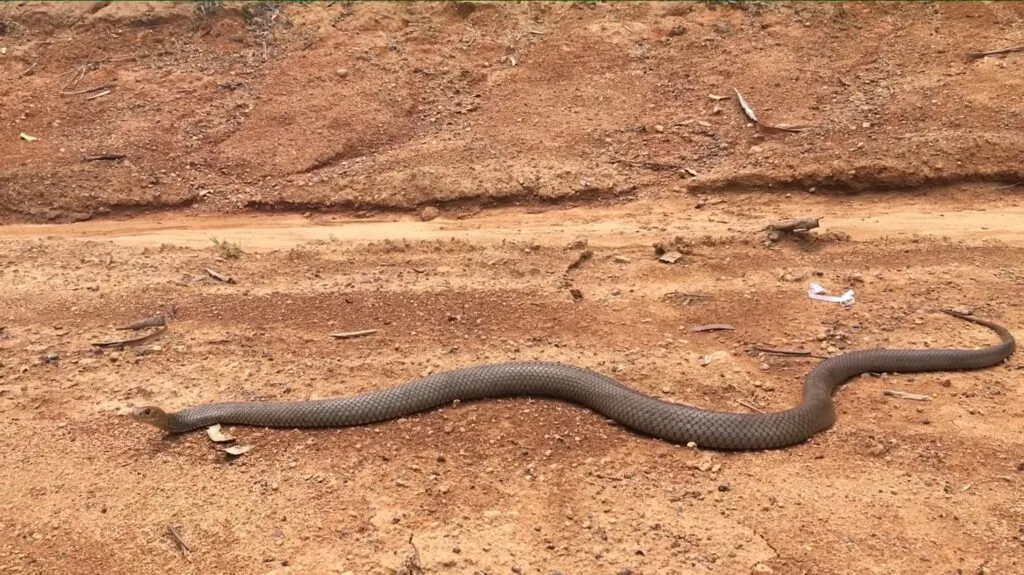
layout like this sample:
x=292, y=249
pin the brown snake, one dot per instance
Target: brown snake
x=669, y=421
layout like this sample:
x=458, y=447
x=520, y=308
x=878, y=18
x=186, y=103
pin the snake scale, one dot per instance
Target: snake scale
x=648, y=415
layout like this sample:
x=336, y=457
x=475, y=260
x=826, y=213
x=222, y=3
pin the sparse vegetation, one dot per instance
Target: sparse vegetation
x=228, y=250
x=204, y=8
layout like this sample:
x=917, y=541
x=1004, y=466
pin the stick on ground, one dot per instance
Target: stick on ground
x=130, y=342
x=789, y=352
x=712, y=327
x=352, y=334
x=176, y=537
x=976, y=55
x=906, y=395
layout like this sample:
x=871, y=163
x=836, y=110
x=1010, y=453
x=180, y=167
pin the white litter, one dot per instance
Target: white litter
x=819, y=293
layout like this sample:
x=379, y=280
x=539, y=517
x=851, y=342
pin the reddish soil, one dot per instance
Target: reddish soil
x=431, y=168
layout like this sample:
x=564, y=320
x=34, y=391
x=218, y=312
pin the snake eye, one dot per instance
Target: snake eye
x=147, y=411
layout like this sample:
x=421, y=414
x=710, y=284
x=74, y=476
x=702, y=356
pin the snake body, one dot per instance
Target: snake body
x=648, y=415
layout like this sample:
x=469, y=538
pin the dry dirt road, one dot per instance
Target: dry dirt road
x=516, y=122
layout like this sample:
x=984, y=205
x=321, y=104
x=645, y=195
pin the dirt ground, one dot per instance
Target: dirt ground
x=437, y=171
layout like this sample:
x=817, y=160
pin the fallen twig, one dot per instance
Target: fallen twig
x=976, y=55
x=176, y=537
x=749, y=405
x=87, y=90
x=687, y=294
x=159, y=320
x=656, y=166
x=130, y=342
x=219, y=276
x=97, y=157
x=789, y=352
x=906, y=395
x=712, y=327
x=687, y=298
x=353, y=334
x=747, y=110
x=762, y=127
x=779, y=128
x=98, y=95
x=29, y=69
x=412, y=563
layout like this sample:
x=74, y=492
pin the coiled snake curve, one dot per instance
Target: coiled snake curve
x=661, y=419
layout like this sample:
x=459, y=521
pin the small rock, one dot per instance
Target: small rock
x=616, y=291
x=716, y=356
x=625, y=571
x=577, y=244
x=456, y=550
x=762, y=568
x=620, y=259
x=428, y=213
x=52, y=357
x=342, y=72
x=1020, y=466
x=724, y=487
x=670, y=257
x=517, y=569
x=659, y=128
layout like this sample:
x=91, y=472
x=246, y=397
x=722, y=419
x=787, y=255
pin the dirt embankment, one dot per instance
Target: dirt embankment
x=362, y=107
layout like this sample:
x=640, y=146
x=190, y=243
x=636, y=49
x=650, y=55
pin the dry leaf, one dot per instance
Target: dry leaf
x=237, y=450
x=217, y=436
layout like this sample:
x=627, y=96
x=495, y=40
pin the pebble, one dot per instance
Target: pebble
x=342, y=72
x=1020, y=466
x=670, y=257
x=620, y=259
x=52, y=357
x=428, y=213
x=517, y=569
x=577, y=244
x=762, y=568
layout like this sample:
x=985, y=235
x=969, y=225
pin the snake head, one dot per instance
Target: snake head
x=153, y=416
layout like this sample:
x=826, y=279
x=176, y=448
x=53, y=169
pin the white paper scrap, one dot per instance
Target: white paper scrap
x=819, y=293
